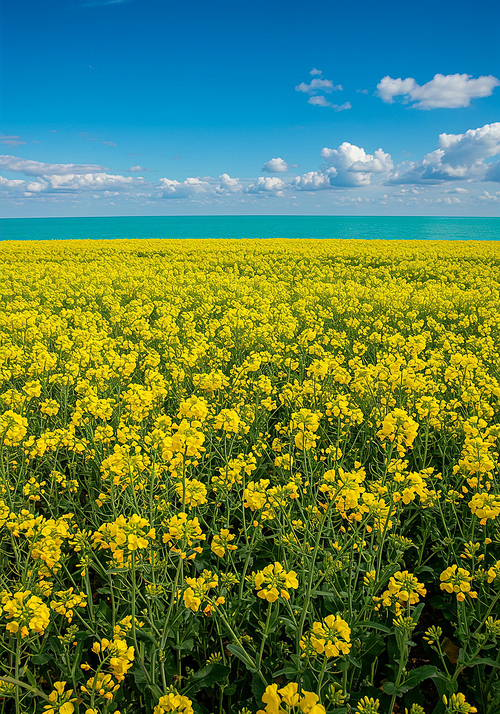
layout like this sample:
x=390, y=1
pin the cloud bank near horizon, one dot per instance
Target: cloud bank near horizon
x=467, y=158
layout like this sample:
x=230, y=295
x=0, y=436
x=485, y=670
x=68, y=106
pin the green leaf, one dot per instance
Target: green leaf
x=240, y=653
x=31, y=679
x=375, y=626
x=390, y=688
x=139, y=676
x=187, y=645
x=142, y=635
x=41, y=659
x=156, y=690
x=208, y=675
x=417, y=612
x=289, y=671
x=258, y=688
x=476, y=661
x=418, y=675
x=356, y=662
x=424, y=569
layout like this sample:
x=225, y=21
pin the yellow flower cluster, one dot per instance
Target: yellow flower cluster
x=25, y=612
x=174, y=702
x=182, y=533
x=123, y=537
x=61, y=700
x=403, y=590
x=289, y=698
x=198, y=589
x=330, y=637
x=457, y=580
x=273, y=582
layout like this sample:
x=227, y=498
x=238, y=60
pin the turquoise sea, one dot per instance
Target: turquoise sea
x=365, y=227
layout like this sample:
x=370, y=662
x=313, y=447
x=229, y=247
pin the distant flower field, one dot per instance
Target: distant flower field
x=249, y=476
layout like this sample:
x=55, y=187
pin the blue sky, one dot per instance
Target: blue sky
x=149, y=107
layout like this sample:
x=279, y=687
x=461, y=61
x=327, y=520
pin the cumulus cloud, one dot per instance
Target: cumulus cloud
x=444, y=91
x=11, y=183
x=228, y=185
x=318, y=85
x=459, y=157
x=315, y=72
x=11, y=140
x=353, y=166
x=189, y=188
x=342, y=107
x=319, y=101
x=275, y=166
x=69, y=183
x=137, y=169
x=267, y=184
x=38, y=168
x=490, y=198
x=89, y=181
x=347, y=166
x=314, y=181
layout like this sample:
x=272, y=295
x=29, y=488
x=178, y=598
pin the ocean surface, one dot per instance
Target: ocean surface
x=364, y=227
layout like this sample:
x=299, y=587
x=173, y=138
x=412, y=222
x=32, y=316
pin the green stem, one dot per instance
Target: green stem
x=321, y=675
x=18, y=683
x=264, y=635
x=16, y=665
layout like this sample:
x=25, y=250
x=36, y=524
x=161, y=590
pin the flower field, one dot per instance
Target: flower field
x=249, y=476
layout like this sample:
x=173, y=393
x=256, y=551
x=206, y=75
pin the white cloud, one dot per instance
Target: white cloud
x=315, y=72
x=109, y=143
x=275, y=166
x=11, y=183
x=347, y=166
x=137, y=169
x=11, y=140
x=490, y=198
x=354, y=167
x=459, y=157
x=314, y=181
x=389, y=88
x=228, y=185
x=472, y=146
x=189, y=188
x=36, y=186
x=70, y=183
x=90, y=182
x=444, y=91
x=318, y=85
x=319, y=101
x=267, y=184
x=38, y=168
x=458, y=189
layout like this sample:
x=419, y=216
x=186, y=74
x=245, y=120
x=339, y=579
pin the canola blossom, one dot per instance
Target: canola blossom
x=249, y=477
